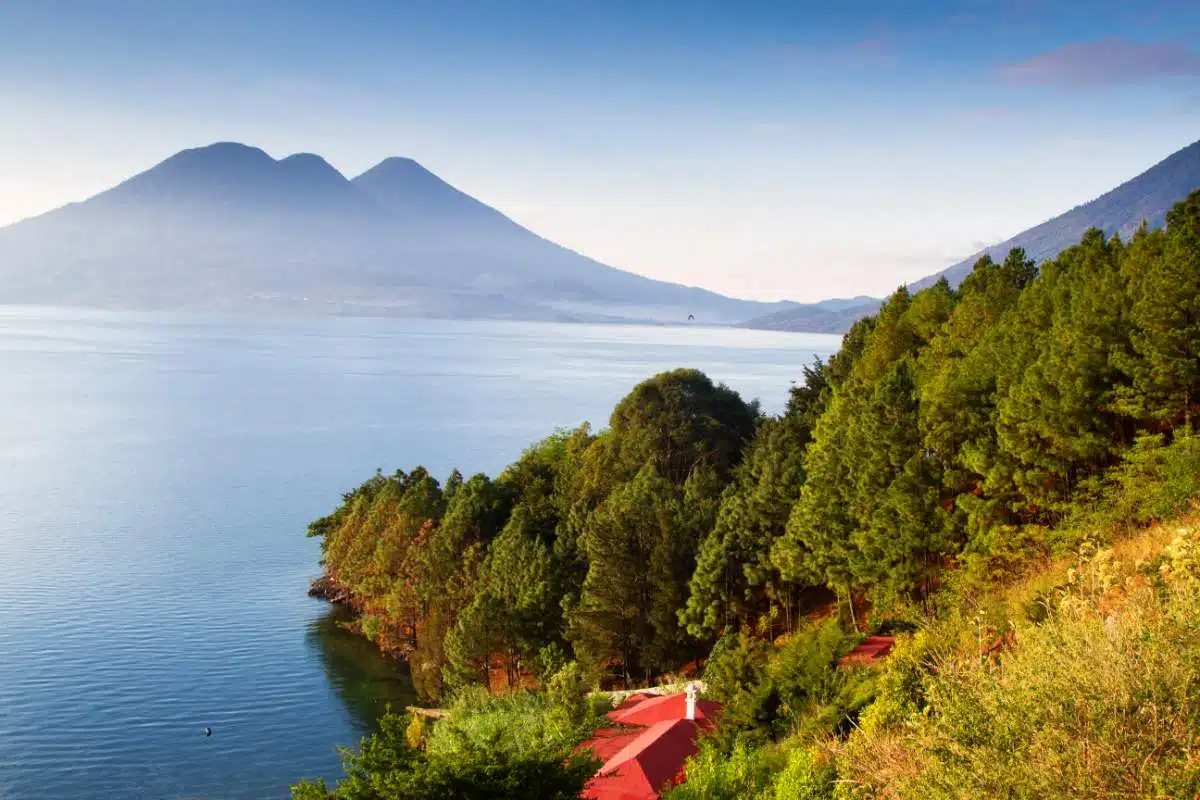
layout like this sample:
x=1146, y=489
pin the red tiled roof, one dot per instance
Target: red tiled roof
x=662, y=709
x=646, y=765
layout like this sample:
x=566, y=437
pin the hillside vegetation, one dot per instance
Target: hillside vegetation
x=934, y=478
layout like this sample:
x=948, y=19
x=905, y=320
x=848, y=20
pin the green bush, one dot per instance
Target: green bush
x=370, y=626
x=737, y=675
x=737, y=663
x=1155, y=482
x=816, y=696
x=550, y=659
x=729, y=641
x=809, y=775
x=900, y=686
x=567, y=691
x=520, y=721
x=388, y=768
x=745, y=773
x=796, y=688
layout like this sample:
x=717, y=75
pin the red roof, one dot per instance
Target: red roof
x=871, y=649
x=607, y=742
x=647, y=765
x=640, y=762
x=631, y=701
x=662, y=709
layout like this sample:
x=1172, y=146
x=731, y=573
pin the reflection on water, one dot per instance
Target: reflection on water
x=366, y=681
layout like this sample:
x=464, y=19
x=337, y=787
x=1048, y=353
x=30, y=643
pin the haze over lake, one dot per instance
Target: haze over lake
x=159, y=472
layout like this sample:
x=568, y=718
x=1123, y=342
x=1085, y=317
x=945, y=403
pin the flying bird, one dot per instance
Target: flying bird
x=691, y=316
x=208, y=731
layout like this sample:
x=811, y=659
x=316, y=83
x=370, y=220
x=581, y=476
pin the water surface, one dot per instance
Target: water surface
x=157, y=473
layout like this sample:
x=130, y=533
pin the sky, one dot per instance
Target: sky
x=765, y=150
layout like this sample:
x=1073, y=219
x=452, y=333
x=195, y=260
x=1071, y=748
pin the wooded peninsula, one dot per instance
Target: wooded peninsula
x=1001, y=474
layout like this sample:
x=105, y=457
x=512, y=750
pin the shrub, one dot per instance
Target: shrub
x=519, y=721
x=1097, y=700
x=1155, y=482
x=549, y=661
x=795, y=688
x=900, y=686
x=567, y=691
x=817, y=696
x=809, y=775
x=736, y=661
x=416, y=731
x=370, y=626
x=386, y=766
x=743, y=774
x=736, y=674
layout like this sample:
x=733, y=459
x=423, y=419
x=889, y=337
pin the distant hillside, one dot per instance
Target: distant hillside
x=815, y=318
x=1147, y=197
x=228, y=226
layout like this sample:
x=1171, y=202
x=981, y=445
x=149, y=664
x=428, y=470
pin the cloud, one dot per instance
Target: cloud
x=1108, y=63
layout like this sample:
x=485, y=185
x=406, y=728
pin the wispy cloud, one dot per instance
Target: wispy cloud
x=1108, y=63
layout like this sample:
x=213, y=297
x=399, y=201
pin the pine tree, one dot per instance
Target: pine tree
x=514, y=614
x=1164, y=276
x=633, y=557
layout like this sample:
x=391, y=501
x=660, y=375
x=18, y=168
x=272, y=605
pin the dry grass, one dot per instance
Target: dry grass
x=1097, y=700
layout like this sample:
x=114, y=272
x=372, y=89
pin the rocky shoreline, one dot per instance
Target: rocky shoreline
x=326, y=588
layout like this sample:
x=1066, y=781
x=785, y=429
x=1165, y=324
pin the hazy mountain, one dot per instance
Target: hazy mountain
x=814, y=318
x=842, y=303
x=228, y=226
x=1147, y=197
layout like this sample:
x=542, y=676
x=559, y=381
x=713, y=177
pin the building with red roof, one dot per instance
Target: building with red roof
x=607, y=742
x=648, y=764
x=662, y=709
x=873, y=648
x=647, y=754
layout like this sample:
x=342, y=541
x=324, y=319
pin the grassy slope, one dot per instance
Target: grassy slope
x=1096, y=694
x=1088, y=686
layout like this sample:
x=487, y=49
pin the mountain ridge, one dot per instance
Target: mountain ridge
x=1145, y=197
x=227, y=225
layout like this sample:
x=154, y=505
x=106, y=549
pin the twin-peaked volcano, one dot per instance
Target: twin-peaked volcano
x=228, y=226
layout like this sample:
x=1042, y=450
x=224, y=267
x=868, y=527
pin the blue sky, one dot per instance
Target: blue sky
x=766, y=150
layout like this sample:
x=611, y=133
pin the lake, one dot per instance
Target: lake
x=158, y=472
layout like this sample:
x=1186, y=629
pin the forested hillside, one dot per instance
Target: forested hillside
x=970, y=471
x=957, y=430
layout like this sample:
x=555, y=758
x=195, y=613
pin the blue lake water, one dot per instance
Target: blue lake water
x=157, y=473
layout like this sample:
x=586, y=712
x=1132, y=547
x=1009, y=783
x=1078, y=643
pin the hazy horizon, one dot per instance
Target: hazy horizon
x=768, y=154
